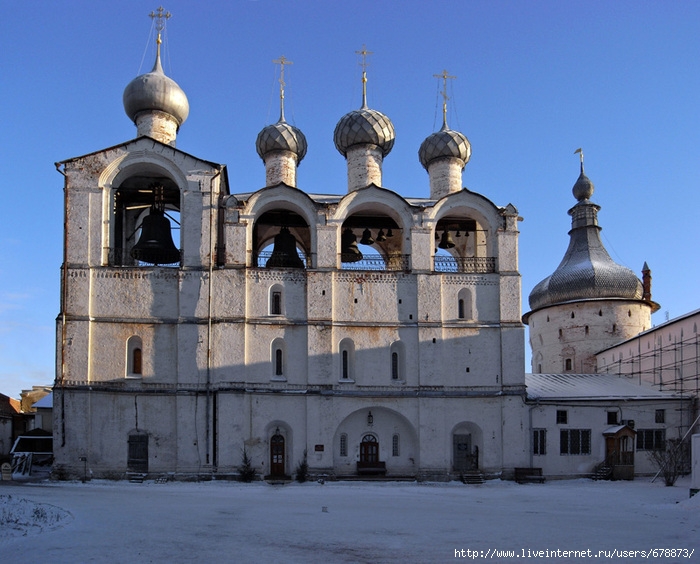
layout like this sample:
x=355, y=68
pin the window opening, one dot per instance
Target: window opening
x=539, y=441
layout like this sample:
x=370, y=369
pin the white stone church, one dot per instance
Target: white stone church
x=373, y=334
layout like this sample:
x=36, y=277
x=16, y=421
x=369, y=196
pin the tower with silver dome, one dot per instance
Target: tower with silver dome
x=364, y=137
x=589, y=302
x=444, y=154
x=155, y=102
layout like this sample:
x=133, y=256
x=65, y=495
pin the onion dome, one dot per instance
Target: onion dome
x=583, y=189
x=586, y=272
x=154, y=91
x=445, y=143
x=281, y=137
x=364, y=127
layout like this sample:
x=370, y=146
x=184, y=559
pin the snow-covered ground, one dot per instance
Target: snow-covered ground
x=345, y=521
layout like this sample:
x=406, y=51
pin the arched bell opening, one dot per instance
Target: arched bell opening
x=281, y=239
x=371, y=241
x=146, y=226
x=460, y=245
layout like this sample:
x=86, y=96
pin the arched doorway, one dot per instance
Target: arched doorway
x=277, y=464
x=369, y=449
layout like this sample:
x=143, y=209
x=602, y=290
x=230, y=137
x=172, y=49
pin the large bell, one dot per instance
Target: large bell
x=155, y=244
x=348, y=247
x=446, y=241
x=284, y=253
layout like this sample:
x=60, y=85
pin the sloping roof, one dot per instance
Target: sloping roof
x=591, y=387
x=9, y=406
x=45, y=402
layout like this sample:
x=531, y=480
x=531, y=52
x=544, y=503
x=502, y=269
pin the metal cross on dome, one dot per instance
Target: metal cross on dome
x=161, y=18
x=444, y=75
x=364, y=64
x=281, y=62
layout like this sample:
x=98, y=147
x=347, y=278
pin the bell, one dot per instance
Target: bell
x=366, y=238
x=380, y=236
x=446, y=241
x=348, y=247
x=155, y=244
x=389, y=233
x=284, y=253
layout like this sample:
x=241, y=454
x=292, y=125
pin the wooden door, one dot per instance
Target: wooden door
x=138, y=453
x=369, y=449
x=277, y=455
x=465, y=458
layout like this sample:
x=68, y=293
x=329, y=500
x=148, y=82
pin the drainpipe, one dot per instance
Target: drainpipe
x=212, y=211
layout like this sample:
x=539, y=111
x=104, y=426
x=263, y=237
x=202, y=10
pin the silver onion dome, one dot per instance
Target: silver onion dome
x=281, y=137
x=586, y=272
x=154, y=91
x=583, y=189
x=364, y=127
x=445, y=143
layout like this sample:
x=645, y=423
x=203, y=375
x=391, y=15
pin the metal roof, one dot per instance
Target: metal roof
x=591, y=387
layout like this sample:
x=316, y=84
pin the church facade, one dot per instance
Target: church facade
x=366, y=333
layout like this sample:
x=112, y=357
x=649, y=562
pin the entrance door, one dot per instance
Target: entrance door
x=369, y=449
x=138, y=453
x=277, y=455
x=465, y=458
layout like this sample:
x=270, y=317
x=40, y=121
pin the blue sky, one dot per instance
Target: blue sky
x=535, y=81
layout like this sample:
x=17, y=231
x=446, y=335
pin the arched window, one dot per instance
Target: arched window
x=134, y=357
x=397, y=361
x=346, y=348
x=276, y=300
x=395, y=445
x=465, y=304
x=145, y=206
x=278, y=359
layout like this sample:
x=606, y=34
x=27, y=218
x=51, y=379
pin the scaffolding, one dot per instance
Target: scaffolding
x=672, y=364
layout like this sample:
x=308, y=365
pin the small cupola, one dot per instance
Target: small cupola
x=281, y=146
x=364, y=137
x=444, y=154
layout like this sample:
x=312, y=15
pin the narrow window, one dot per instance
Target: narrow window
x=568, y=364
x=346, y=374
x=276, y=306
x=136, y=361
x=539, y=441
x=562, y=417
x=395, y=445
x=278, y=363
x=612, y=417
x=134, y=357
x=394, y=366
x=460, y=309
x=343, y=445
x=660, y=416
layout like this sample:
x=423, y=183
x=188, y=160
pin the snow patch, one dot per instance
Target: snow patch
x=21, y=517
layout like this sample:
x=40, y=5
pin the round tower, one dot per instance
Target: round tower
x=155, y=102
x=364, y=137
x=281, y=146
x=444, y=154
x=589, y=303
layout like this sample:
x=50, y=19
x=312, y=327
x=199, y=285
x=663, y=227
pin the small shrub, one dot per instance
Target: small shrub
x=670, y=461
x=246, y=472
x=302, y=471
